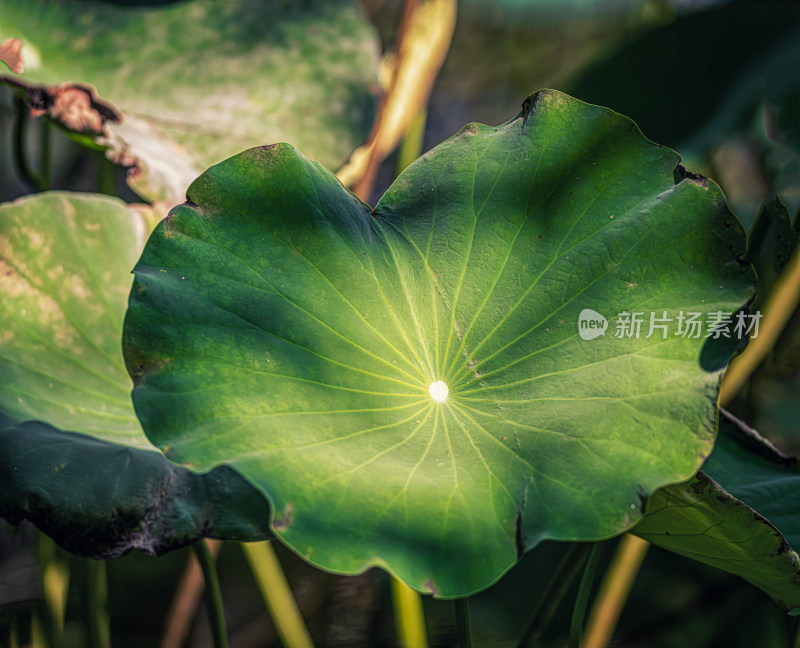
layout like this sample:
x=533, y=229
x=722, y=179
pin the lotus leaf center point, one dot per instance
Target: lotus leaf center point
x=439, y=391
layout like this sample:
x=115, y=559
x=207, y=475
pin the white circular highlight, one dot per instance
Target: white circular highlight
x=439, y=391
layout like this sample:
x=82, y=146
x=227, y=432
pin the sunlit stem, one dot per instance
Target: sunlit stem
x=614, y=591
x=408, y=615
x=424, y=39
x=216, y=612
x=55, y=586
x=413, y=142
x=277, y=595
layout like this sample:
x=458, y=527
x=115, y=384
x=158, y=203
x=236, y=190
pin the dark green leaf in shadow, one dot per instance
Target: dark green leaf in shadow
x=740, y=514
x=768, y=401
x=787, y=129
x=770, y=244
x=702, y=76
x=279, y=325
x=103, y=499
x=754, y=471
x=73, y=458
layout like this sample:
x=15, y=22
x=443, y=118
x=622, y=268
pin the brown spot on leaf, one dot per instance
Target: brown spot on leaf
x=285, y=521
x=72, y=107
x=75, y=106
x=430, y=587
x=681, y=173
x=11, y=55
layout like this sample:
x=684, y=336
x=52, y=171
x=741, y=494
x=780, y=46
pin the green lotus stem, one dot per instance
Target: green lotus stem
x=413, y=141
x=105, y=176
x=55, y=587
x=13, y=632
x=38, y=636
x=55, y=581
x=277, y=595
x=582, y=600
x=216, y=613
x=553, y=593
x=44, y=152
x=20, y=155
x=614, y=591
x=462, y=623
x=186, y=599
x=408, y=614
x=96, y=604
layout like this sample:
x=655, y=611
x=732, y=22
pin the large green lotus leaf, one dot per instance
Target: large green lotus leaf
x=198, y=81
x=73, y=457
x=279, y=325
x=740, y=514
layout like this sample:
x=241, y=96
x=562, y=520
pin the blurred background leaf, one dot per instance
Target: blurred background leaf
x=73, y=457
x=179, y=99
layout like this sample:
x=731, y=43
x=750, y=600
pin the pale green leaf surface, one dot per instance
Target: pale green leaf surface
x=276, y=324
x=64, y=262
x=73, y=457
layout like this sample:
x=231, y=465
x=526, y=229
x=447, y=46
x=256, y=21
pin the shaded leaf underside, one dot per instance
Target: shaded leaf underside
x=738, y=514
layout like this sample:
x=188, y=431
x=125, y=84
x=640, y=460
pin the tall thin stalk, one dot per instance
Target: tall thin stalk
x=186, y=599
x=584, y=593
x=13, y=632
x=55, y=587
x=44, y=152
x=553, y=593
x=413, y=142
x=614, y=591
x=97, y=604
x=277, y=595
x=408, y=614
x=20, y=147
x=216, y=612
x=462, y=623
